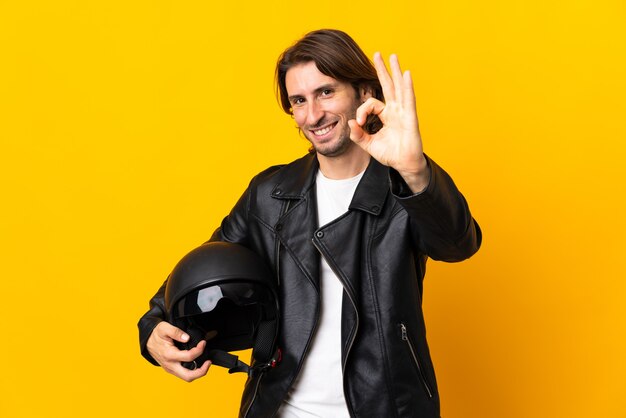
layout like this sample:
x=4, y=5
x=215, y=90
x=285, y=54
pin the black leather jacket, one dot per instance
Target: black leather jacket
x=378, y=249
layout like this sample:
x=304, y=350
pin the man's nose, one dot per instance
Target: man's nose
x=314, y=113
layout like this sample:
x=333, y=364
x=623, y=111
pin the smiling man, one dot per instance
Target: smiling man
x=322, y=107
x=347, y=230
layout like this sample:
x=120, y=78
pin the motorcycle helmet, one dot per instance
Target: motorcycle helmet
x=225, y=294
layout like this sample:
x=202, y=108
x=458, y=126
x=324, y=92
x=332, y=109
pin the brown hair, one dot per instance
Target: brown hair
x=336, y=55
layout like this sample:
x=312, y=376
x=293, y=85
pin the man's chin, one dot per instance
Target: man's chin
x=330, y=149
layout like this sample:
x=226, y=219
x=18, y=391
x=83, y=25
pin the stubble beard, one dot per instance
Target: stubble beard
x=340, y=146
x=333, y=149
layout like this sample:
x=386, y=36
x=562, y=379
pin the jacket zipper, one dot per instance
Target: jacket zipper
x=345, y=361
x=256, y=388
x=277, y=249
x=405, y=338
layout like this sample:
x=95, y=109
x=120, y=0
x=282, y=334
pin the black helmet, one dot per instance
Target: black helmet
x=226, y=294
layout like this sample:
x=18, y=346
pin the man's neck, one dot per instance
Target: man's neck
x=347, y=165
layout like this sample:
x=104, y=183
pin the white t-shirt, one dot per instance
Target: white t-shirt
x=318, y=390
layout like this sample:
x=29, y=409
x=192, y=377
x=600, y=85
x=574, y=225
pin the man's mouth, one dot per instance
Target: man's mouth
x=323, y=131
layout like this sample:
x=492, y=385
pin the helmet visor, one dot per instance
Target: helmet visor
x=231, y=312
x=207, y=299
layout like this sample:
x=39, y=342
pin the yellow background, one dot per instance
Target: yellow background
x=129, y=128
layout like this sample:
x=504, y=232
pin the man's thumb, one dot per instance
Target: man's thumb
x=357, y=134
x=174, y=333
x=181, y=336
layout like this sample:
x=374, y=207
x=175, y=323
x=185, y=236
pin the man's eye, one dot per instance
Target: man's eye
x=326, y=92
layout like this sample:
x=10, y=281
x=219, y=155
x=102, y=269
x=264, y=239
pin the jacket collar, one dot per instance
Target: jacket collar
x=299, y=178
x=372, y=190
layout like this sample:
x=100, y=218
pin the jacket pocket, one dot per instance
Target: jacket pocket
x=405, y=337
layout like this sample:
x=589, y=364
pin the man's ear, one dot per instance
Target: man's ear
x=365, y=92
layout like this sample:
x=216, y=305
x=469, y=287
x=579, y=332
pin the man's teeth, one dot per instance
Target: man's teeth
x=323, y=131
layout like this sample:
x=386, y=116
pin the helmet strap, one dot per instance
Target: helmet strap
x=227, y=360
x=234, y=365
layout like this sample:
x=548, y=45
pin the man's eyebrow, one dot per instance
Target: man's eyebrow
x=327, y=86
x=294, y=97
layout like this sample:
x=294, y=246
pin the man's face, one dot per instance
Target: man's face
x=322, y=107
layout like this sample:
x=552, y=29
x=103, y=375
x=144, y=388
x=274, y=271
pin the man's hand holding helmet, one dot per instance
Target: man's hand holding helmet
x=162, y=348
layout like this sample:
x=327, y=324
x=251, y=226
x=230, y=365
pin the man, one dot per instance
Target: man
x=347, y=229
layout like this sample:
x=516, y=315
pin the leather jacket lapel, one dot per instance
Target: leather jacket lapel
x=296, y=226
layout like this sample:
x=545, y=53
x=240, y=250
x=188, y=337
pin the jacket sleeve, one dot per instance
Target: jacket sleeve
x=443, y=227
x=233, y=229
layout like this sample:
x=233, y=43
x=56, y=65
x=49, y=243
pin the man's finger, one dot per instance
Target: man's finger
x=180, y=335
x=396, y=76
x=358, y=134
x=176, y=355
x=383, y=76
x=408, y=97
x=190, y=375
x=166, y=330
x=370, y=106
